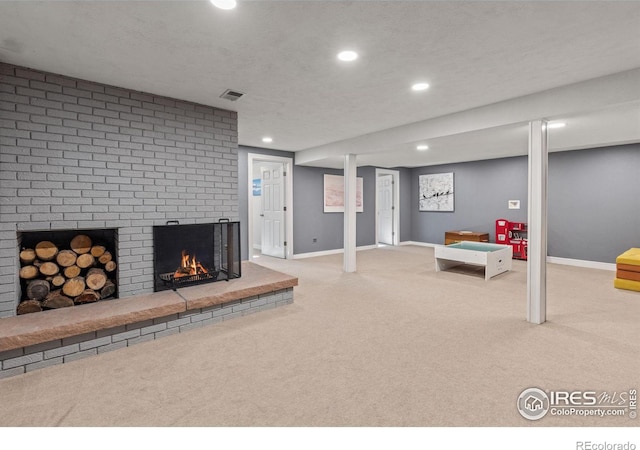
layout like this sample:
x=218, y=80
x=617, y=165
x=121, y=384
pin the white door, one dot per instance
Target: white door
x=273, y=210
x=385, y=209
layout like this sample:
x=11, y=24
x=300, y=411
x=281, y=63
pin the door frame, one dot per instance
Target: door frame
x=288, y=199
x=396, y=203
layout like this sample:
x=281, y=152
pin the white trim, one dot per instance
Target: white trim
x=550, y=259
x=396, y=203
x=288, y=167
x=537, y=222
x=588, y=95
x=581, y=263
x=419, y=244
x=331, y=252
x=350, y=183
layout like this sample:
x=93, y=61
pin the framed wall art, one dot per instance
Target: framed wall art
x=257, y=187
x=436, y=192
x=334, y=193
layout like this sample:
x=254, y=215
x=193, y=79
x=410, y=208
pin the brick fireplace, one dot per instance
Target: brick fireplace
x=79, y=155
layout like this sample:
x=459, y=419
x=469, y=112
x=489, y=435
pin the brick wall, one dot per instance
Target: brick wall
x=76, y=154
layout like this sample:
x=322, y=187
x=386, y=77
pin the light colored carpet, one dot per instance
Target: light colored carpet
x=395, y=344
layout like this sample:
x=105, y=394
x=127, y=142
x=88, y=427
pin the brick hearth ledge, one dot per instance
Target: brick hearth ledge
x=36, y=328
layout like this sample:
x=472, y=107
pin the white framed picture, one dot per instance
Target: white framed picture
x=514, y=204
x=436, y=192
x=334, y=194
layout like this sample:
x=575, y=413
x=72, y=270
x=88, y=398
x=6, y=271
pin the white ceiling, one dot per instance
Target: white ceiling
x=282, y=55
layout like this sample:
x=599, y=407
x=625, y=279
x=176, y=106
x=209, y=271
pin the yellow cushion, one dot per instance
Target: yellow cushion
x=626, y=284
x=631, y=256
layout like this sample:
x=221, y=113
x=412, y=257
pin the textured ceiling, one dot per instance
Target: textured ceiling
x=282, y=55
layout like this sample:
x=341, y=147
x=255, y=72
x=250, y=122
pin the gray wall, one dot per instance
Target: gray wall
x=310, y=221
x=588, y=190
x=593, y=210
x=594, y=203
x=366, y=220
x=77, y=154
x=406, y=203
x=482, y=190
x=590, y=193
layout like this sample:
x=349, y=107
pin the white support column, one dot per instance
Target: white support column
x=349, y=213
x=537, y=223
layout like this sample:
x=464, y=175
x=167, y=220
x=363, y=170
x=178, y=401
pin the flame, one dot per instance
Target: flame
x=189, y=266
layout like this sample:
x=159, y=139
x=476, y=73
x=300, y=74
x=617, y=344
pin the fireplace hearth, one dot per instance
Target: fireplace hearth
x=186, y=255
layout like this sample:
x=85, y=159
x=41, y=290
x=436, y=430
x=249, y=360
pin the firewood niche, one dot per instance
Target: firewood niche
x=66, y=268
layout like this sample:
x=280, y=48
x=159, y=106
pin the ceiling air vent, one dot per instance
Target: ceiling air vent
x=231, y=95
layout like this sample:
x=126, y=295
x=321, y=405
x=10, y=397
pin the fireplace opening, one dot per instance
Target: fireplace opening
x=186, y=255
x=65, y=268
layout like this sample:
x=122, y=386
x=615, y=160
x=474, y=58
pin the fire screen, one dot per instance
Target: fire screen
x=186, y=255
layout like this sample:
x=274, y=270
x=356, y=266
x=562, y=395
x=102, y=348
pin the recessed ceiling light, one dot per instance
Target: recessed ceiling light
x=556, y=125
x=267, y=140
x=347, y=55
x=224, y=4
x=422, y=147
x=420, y=86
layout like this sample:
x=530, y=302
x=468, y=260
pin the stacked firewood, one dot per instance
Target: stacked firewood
x=58, y=278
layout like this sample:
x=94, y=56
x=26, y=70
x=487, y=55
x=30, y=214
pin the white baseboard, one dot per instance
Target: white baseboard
x=314, y=254
x=330, y=252
x=257, y=247
x=581, y=263
x=550, y=259
x=419, y=244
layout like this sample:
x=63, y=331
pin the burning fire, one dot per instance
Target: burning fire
x=189, y=266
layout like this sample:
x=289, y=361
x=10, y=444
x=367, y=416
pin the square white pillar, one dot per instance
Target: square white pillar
x=537, y=223
x=350, y=213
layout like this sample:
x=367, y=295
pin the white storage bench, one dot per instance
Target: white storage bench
x=495, y=258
